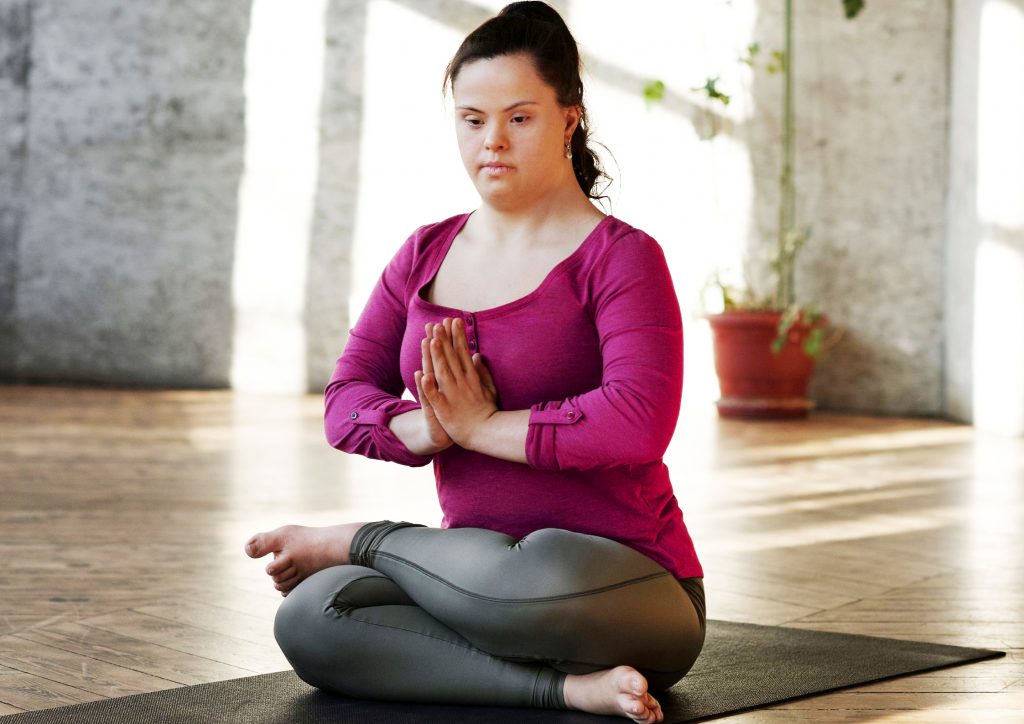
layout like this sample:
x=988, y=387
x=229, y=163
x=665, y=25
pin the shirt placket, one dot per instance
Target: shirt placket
x=471, y=338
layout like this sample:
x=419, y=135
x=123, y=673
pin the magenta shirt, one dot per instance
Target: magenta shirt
x=595, y=352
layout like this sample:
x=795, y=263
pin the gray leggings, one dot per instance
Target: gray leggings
x=473, y=616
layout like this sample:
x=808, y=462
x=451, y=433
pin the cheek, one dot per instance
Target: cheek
x=466, y=139
x=542, y=146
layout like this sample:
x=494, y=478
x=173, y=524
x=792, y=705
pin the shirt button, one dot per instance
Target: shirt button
x=354, y=415
x=469, y=321
x=472, y=344
x=570, y=414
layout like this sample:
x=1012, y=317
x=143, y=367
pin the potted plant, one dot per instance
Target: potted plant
x=765, y=346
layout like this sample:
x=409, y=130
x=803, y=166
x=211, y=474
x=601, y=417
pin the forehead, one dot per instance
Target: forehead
x=496, y=80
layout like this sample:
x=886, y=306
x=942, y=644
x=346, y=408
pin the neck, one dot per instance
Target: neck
x=530, y=223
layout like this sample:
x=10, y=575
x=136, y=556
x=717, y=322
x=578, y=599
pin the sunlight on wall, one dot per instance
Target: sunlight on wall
x=1001, y=115
x=283, y=88
x=998, y=353
x=410, y=171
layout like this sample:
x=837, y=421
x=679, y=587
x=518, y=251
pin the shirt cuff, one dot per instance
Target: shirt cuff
x=545, y=419
x=387, y=441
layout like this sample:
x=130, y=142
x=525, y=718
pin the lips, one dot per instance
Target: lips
x=495, y=169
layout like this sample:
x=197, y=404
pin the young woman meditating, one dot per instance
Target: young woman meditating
x=542, y=340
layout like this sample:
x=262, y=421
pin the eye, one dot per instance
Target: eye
x=473, y=121
x=519, y=119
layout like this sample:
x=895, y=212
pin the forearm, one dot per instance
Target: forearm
x=503, y=435
x=411, y=429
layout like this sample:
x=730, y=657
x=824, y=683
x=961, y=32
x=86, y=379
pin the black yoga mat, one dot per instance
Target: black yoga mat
x=743, y=666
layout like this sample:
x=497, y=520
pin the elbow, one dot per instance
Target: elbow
x=646, y=426
x=338, y=434
x=338, y=427
x=647, y=447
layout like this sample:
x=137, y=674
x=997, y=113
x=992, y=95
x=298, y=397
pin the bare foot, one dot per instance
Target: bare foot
x=300, y=551
x=620, y=691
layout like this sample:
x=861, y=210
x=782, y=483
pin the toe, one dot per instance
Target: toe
x=285, y=575
x=279, y=565
x=632, y=706
x=288, y=584
x=655, y=708
x=259, y=545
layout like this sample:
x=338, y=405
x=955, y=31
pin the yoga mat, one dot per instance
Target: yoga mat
x=743, y=666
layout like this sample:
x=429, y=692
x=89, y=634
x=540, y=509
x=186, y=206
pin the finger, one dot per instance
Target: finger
x=448, y=349
x=428, y=364
x=439, y=353
x=485, y=374
x=441, y=374
x=429, y=387
x=462, y=350
x=418, y=377
x=426, y=401
x=439, y=408
x=429, y=328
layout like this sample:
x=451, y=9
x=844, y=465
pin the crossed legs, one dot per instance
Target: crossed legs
x=557, y=619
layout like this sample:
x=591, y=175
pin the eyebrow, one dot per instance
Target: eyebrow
x=509, y=108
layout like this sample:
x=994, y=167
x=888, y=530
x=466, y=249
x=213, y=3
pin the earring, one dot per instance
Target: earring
x=568, y=150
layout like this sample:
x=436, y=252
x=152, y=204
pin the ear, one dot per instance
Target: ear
x=572, y=119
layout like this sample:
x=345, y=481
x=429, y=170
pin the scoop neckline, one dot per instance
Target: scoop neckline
x=555, y=271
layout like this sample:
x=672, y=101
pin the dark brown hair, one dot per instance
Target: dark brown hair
x=536, y=29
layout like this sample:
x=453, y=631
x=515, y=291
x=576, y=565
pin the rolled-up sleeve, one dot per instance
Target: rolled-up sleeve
x=364, y=392
x=631, y=417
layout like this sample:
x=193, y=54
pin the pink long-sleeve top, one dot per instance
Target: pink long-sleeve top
x=595, y=352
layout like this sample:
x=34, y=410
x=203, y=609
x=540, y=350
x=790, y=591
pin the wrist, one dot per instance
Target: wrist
x=410, y=428
x=478, y=434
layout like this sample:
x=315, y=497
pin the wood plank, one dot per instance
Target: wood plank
x=56, y=664
x=29, y=692
x=143, y=656
x=253, y=657
x=244, y=626
x=8, y=709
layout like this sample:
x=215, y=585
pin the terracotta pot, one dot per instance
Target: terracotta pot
x=754, y=381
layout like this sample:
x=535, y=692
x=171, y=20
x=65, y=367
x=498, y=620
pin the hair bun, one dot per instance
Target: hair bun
x=533, y=10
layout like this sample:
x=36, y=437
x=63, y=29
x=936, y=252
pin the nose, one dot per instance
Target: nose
x=496, y=138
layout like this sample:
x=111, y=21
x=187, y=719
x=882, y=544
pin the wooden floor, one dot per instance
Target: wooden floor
x=123, y=513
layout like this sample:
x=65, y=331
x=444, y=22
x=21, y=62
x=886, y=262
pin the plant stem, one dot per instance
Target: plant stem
x=785, y=294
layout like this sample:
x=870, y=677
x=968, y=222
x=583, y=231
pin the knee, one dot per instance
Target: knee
x=309, y=625
x=297, y=627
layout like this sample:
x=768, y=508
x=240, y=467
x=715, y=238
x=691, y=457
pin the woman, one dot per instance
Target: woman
x=562, y=575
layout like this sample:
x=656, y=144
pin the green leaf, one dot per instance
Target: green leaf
x=752, y=50
x=712, y=91
x=654, y=91
x=852, y=7
x=812, y=345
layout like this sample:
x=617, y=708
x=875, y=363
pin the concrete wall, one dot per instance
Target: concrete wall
x=127, y=162
x=15, y=32
x=871, y=99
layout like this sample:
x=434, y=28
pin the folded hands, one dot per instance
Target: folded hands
x=455, y=388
